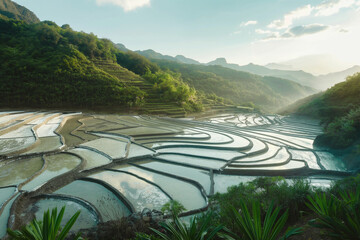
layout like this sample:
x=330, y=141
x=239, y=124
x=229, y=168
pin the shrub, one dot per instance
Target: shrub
x=173, y=207
x=340, y=217
x=48, y=229
x=267, y=191
x=198, y=229
x=252, y=226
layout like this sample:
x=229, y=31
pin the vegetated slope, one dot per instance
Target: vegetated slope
x=336, y=101
x=12, y=10
x=286, y=88
x=155, y=101
x=339, y=109
x=294, y=107
x=54, y=68
x=59, y=67
x=239, y=87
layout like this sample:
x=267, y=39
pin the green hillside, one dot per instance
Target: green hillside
x=339, y=110
x=288, y=89
x=59, y=67
x=239, y=87
x=12, y=10
x=54, y=68
x=335, y=102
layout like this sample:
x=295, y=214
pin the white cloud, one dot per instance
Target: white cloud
x=251, y=22
x=285, y=26
x=293, y=32
x=235, y=33
x=261, y=31
x=243, y=24
x=282, y=49
x=332, y=42
x=358, y=5
x=272, y=36
x=127, y=5
x=326, y=8
x=305, y=30
x=288, y=18
x=332, y=7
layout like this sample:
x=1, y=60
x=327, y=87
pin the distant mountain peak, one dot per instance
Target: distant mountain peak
x=149, y=51
x=151, y=54
x=279, y=66
x=184, y=59
x=218, y=61
x=121, y=47
x=222, y=60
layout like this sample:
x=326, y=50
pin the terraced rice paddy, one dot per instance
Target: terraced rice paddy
x=98, y=163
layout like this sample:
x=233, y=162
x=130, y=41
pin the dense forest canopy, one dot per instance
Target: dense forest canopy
x=46, y=65
x=57, y=68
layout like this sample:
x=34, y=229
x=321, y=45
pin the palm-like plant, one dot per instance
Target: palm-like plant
x=48, y=229
x=340, y=217
x=173, y=207
x=252, y=227
x=197, y=230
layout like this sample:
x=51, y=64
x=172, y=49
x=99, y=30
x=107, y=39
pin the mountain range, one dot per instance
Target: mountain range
x=320, y=82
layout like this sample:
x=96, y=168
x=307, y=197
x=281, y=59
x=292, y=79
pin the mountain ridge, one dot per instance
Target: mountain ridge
x=238, y=86
x=333, y=78
x=9, y=9
x=321, y=82
x=251, y=68
x=296, y=76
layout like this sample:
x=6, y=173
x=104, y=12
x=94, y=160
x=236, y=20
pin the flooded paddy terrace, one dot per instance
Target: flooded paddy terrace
x=109, y=166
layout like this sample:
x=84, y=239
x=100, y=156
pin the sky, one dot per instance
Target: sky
x=318, y=36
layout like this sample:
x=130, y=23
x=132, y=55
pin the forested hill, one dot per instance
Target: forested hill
x=239, y=87
x=339, y=109
x=335, y=102
x=53, y=68
x=12, y=10
x=59, y=67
